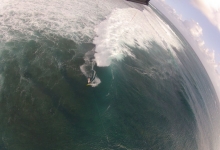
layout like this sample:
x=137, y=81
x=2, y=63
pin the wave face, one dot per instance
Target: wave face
x=150, y=90
x=131, y=27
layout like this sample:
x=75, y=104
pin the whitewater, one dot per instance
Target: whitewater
x=150, y=91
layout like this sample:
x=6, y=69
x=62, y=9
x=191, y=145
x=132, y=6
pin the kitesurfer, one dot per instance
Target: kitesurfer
x=91, y=77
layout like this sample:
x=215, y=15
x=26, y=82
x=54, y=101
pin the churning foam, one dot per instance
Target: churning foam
x=131, y=27
x=72, y=19
x=82, y=21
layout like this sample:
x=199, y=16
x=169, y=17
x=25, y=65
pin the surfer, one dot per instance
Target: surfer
x=92, y=77
x=88, y=80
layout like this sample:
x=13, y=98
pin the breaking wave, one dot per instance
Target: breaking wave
x=131, y=27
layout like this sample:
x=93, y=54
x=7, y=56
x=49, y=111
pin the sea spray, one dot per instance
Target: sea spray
x=120, y=31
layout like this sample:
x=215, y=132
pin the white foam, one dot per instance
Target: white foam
x=70, y=19
x=131, y=27
x=95, y=82
x=81, y=21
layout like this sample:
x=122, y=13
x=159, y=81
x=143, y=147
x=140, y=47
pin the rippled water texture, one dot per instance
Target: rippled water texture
x=150, y=90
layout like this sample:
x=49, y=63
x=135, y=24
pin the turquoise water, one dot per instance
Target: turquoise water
x=152, y=94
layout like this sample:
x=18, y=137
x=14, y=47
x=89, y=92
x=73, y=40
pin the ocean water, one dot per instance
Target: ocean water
x=150, y=92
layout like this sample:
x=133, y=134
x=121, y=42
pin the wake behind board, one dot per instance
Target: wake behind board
x=89, y=84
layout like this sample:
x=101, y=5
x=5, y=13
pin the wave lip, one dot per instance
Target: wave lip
x=112, y=37
x=130, y=27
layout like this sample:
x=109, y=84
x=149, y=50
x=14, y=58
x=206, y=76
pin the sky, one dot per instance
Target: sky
x=207, y=14
x=199, y=22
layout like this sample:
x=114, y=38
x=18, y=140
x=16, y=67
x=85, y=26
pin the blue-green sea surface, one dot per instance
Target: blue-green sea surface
x=150, y=91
